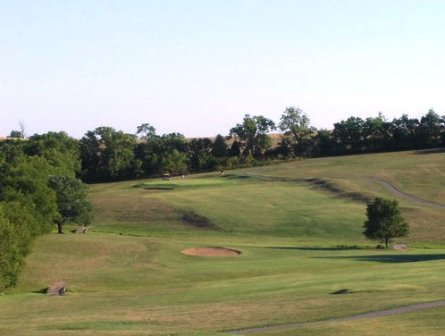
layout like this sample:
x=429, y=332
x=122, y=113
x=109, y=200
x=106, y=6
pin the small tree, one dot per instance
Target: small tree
x=385, y=221
x=72, y=202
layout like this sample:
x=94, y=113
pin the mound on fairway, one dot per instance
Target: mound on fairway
x=211, y=252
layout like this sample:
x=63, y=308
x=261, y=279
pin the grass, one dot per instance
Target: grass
x=428, y=322
x=300, y=244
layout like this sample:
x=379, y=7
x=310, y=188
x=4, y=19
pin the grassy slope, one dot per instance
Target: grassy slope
x=299, y=244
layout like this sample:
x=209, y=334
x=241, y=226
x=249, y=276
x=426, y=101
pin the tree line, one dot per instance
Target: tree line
x=107, y=154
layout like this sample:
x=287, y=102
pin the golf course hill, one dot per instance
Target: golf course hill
x=264, y=250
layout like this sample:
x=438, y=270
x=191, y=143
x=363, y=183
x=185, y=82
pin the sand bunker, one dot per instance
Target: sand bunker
x=211, y=252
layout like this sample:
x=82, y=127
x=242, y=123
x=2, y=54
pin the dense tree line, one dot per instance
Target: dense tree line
x=108, y=154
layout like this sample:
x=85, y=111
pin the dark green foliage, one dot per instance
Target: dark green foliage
x=252, y=134
x=108, y=154
x=61, y=151
x=11, y=256
x=235, y=149
x=165, y=154
x=28, y=205
x=200, y=154
x=72, y=201
x=296, y=124
x=219, y=147
x=24, y=180
x=147, y=131
x=16, y=135
x=385, y=221
x=429, y=130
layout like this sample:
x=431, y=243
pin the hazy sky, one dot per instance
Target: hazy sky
x=196, y=67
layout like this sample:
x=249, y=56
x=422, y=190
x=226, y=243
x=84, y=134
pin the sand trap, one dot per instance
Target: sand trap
x=211, y=252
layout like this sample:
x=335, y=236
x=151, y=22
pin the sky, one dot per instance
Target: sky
x=198, y=66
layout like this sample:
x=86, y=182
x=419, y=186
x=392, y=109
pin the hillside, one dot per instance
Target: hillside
x=297, y=227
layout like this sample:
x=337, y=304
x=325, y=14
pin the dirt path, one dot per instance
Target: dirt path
x=291, y=326
x=393, y=190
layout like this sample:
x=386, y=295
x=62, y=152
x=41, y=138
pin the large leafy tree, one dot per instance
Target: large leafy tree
x=376, y=134
x=384, y=221
x=72, y=202
x=348, y=135
x=59, y=149
x=108, y=154
x=24, y=180
x=161, y=154
x=200, y=153
x=295, y=123
x=430, y=128
x=404, y=133
x=253, y=134
x=27, y=207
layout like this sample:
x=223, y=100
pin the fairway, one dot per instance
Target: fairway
x=300, y=255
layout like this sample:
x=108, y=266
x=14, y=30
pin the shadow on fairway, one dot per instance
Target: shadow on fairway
x=395, y=258
x=431, y=151
x=315, y=248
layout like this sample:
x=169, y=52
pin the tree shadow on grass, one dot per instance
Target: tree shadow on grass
x=393, y=258
x=431, y=151
x=317, y=248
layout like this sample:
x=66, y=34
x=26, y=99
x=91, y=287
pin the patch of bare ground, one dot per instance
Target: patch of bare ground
x=211, y=252
x=400, y=247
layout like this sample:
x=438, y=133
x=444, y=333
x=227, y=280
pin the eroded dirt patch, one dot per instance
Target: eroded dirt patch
x=211, y=252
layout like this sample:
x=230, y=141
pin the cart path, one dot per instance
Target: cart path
x=383, y=313
x=388, y=186
x=393, y=190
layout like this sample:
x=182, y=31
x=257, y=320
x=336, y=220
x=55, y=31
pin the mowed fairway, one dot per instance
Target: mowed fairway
x=300, y=242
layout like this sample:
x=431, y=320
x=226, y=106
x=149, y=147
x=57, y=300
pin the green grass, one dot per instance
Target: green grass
x=299, y=245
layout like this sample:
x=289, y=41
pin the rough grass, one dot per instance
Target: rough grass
x=300, y=242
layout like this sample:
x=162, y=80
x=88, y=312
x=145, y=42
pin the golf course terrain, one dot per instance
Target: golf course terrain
x=265, y=251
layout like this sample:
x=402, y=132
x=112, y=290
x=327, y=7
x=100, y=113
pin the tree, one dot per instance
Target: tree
x=253, y=132
x=147, y=131
x=219, y=147
x=27, y=207
x=108, y=154
x=11, y=256
x=200, y=153
x=429, y=130
x=349, y=135
x=296, y=123
x=72, y=202
x=16, y=135
x=235, y=149
x=59, y=149
x=385, y=221
x=404, y=133
x=173, y=162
